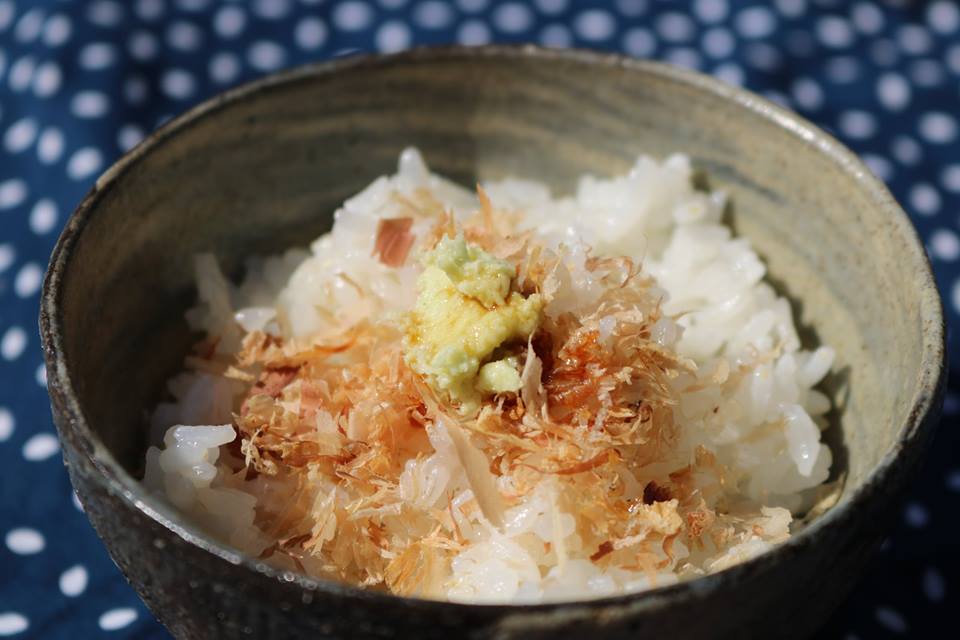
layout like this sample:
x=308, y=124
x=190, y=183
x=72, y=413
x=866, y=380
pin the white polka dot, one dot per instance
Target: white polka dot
x=129, y=136
x=834, y=31
x=955, y=300
x=224, y=67
x=718, y=42
x=310, y=33
x=914, y=39
x=551, y=7
x=7, y=256
x=924, y=199
x=867, y=18
x=89, y=104
x=135, y=90
x=23, y=541
x=730, y=73
x=184, y=36
x=20, y=135
x=266, y=56
x=632, y=8
x=97, y=55
x=710, y=10
x=952, y=57
x=791, y=8
x=675, y=27
x=13, y=343
x=915, y=514
x=943, y=16
x=761, y=55
x=684, y=57
x=906, y=150
x=143, y=45
x=639, y=42
x=7, y=424
x=473, y=33
x=21, y=73
x=43, y=216
x=193, y=5
x=433, y=14
x=41, y=375
x=392, y=36
x=933, y=585
x=12, y=623
x=3, y=65
x=177, y=84
x=150, y=10
x=28, y=280
x=47, y=79
x=951, y=178
x=469, y=6
x=272, y=9
x=117, y=619
x=12, y=193
x=953, y=477
x=893, y=91
x=879, y=165
x=555, y=35
x=891, y=619
x=807, y=94
x=938, y=127
x=40, y=447
x=29, y=25
x=352, y=15
x=843, y=69
x=595, y=25
x=229, y=21
x=74, y=581
x=84, y=163
x=50, y=146
x=756, y=22
x=7, y=13
x=944, y=245
x=105, y=13
x=512, y=17
x=926, y=73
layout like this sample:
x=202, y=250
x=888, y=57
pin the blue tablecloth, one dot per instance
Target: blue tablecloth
x=80, y=82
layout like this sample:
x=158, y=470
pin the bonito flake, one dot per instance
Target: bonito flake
x=459, y=398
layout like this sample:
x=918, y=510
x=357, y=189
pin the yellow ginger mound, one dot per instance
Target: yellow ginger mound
x=464, y=312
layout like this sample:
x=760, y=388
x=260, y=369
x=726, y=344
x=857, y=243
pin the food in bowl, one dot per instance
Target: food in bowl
x=500, y=396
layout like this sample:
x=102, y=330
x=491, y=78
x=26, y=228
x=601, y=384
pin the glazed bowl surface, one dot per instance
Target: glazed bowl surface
x=262, y=168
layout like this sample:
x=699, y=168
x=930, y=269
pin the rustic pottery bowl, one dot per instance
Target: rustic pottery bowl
x=261, y=168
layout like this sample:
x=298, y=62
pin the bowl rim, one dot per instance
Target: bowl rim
x=920, y=422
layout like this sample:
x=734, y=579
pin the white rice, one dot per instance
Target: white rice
x=763, y=426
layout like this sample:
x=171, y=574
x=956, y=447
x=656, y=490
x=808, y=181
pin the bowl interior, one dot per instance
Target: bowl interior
x=264, y=171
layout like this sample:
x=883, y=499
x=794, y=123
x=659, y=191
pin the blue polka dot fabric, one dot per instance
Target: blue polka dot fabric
x=82, y=82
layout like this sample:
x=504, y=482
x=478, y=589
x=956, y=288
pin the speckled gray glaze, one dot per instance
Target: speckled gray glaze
x=262, y=167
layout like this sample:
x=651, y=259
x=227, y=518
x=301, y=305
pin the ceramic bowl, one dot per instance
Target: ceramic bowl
x=262, y=167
